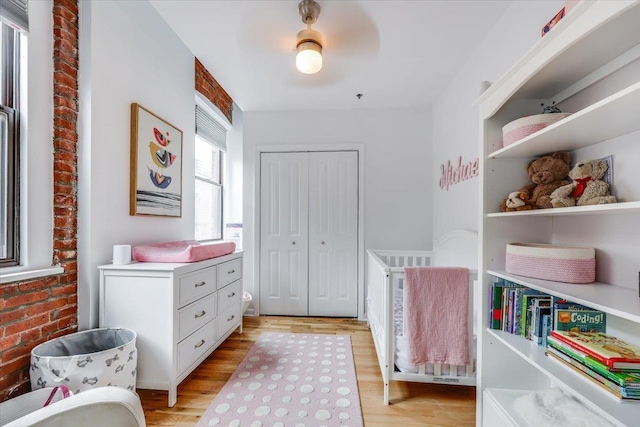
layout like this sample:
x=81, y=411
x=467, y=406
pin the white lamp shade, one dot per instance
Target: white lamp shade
x=309, y=58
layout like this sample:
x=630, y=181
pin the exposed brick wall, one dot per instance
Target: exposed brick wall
x=209, y=87
x=34, y=311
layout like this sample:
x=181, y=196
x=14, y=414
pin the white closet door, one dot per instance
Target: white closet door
x=333, y=234
x=284, y=245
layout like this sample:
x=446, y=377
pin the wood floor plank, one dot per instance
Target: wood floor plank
x=412, y=404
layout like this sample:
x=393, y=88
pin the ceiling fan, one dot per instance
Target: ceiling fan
x=344, y=35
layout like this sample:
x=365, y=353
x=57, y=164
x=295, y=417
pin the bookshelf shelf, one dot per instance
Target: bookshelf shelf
x=615, y=300
x=583, y=128
x=620, y=413
x=589, y=64
x=610, y=209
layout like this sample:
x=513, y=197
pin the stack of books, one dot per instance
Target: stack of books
x=606, y=360
x=533, y=314
x=520, y=310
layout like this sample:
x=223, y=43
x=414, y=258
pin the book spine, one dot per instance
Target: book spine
x=496, y=314
x=517, y=309
x=546, y=328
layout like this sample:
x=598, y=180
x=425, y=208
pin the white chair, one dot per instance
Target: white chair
x=96, y=407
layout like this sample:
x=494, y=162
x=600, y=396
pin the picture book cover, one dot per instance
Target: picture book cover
x=613, y=352
x=582, y=320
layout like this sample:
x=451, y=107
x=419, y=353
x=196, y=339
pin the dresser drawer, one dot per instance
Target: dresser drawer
x=195, y=315
x=229, y=271
x=228, y=319
x=195, y=285
x=196, y=345
x=229, y=295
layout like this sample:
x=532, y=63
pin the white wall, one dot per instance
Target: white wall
x=129, y=54
x=456, y=122
x=397, y=170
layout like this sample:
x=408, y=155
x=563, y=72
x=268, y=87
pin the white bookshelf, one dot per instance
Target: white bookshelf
x=615, y=300
x=587, y=127
x=591, y=61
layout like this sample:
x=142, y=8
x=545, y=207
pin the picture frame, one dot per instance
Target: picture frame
x=156, y=165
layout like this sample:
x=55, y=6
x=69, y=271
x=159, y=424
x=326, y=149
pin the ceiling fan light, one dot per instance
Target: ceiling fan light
x=309, y=57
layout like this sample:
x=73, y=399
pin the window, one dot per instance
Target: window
x=210, y=151
x=208, y=204
x=9, y=147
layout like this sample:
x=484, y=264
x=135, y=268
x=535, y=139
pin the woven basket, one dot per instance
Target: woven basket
x=568, y=264
x=525, y=126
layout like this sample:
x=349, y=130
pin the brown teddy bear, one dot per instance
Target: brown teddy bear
x=547, y=174
x=587, y=187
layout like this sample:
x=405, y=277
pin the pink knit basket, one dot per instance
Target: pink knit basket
x=568, y=264
x=521, y=128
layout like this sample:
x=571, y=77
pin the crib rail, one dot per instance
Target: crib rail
x=385, y=277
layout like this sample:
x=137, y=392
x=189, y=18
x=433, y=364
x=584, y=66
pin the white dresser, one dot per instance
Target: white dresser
x=181, y=313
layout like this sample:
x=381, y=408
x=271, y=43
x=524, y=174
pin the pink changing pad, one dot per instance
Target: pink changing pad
x=181, y=251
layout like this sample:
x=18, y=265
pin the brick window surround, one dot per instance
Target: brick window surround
x=35, y=311
x=211, y=89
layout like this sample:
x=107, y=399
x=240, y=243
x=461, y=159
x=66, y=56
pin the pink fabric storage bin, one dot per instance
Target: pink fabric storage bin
x=521, y=128
x=181, y=251
x=568, y=264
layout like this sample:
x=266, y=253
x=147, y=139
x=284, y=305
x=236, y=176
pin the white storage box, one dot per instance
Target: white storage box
x=87, y=359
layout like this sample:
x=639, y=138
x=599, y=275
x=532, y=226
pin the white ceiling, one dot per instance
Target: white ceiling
x=396, y=53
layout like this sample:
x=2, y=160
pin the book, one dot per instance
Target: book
x=534, y=301
x=569, y=316
x=613, y=352
x=630, y=380
x=541, y=310
x=616, y=390
x=521, y=306
x=546, y=328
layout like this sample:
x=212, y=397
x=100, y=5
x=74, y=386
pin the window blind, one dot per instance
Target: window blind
x=209, y=129
x=14, y=13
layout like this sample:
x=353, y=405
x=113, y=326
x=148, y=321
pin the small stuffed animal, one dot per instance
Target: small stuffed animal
x=514, y=202
x=587, y=187
x=547, y=174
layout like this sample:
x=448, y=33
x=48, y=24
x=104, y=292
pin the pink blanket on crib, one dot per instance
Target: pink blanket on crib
x=437, y=310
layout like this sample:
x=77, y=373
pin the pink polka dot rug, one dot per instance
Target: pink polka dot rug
x=290, y=380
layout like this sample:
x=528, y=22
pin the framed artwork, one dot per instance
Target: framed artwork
x=156, y=165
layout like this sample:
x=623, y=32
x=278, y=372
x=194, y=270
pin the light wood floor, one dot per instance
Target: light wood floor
x=412, y=404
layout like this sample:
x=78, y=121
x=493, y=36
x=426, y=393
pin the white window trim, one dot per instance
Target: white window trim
x=36, y=157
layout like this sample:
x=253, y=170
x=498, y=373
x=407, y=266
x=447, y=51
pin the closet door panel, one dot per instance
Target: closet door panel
x=284, y=247
x=333, y=234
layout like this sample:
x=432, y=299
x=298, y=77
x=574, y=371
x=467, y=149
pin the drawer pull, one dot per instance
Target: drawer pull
x=231, y=271
x=200, y=284
x=231, y=318
x=232, y=294
x=199, y=344
x=200, y=314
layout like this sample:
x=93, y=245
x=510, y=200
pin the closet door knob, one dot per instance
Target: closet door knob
x=293, y=243
x=322, y=243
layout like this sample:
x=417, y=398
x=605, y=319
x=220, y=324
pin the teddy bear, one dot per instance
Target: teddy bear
x=587, y=187
x=547, y=174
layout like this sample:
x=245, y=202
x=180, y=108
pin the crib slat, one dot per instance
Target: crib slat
x=437, y=369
